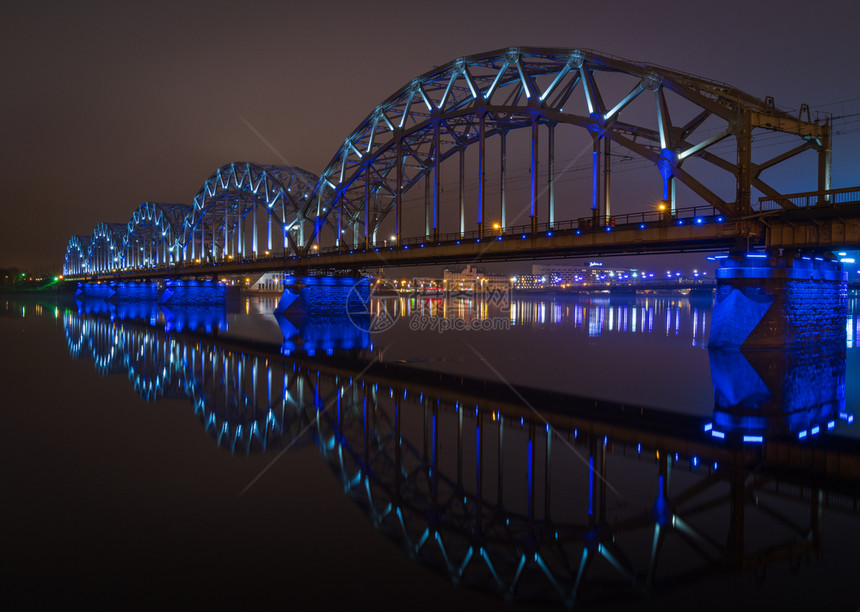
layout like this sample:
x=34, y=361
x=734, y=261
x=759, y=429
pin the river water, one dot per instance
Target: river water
x=578, y=450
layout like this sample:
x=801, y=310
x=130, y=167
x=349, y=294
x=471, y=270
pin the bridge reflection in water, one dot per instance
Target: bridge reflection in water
x=526, y=493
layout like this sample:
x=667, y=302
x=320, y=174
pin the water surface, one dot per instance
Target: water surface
x=226, y=457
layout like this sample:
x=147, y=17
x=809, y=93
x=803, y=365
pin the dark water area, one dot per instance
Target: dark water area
x=215, y=457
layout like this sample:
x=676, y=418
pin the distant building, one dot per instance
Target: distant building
x=561, y=276
x=595, y=273
x=528, y=281
x=425, y=284
x=471, y=279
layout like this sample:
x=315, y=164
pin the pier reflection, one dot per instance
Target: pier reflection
x=761, y=393
x=520, y=491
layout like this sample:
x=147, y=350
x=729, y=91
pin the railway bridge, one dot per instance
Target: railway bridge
x=510, y=154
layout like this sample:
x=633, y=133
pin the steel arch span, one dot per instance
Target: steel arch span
x=152, y=236
x=105, y=248
x=665, y=117
x=77, y=250
x=223, y=219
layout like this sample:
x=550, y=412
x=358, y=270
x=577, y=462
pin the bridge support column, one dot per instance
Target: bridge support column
x=778, y=301
x=482, y=166
x=503, y=179
x=462, y=192
x=550, y=179
x=595, y=180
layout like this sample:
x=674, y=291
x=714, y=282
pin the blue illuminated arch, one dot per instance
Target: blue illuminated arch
x=229, y=200
x=465, y=102
x=152, y=236
x=76, y=255
x=105, y=248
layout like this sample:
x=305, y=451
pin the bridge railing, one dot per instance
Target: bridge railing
x=689, y=215
x=830, y=197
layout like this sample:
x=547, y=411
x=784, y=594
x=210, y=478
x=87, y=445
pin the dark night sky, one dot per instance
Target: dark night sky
x=105, y=105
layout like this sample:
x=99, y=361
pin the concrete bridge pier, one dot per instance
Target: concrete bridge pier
x=102, y=291
x=195, y=292
x=324, y=313
x=135, y=291
x=119, y=291
x=324, y=295
x=779, y=301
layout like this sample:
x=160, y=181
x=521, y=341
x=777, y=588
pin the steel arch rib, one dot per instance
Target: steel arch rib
x=502, y=84
x=77, y=250
x=157, y=226
x=104, y=248
x=282, y=191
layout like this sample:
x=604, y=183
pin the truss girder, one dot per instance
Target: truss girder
x=230, y=199
x=439, y=114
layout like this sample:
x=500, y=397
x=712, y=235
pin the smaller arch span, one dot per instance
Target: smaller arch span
x=77, y=252
x=152, y=235
x=224, y=220
x=105, y=247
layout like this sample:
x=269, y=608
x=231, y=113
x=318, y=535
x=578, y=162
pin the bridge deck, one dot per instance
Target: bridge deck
x=828, y=227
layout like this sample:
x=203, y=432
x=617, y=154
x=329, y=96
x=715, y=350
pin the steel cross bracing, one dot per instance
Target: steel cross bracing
x=458, y=124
